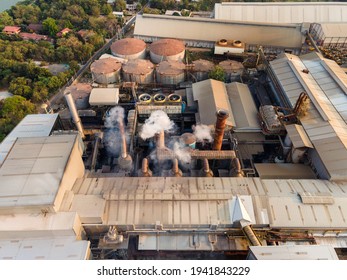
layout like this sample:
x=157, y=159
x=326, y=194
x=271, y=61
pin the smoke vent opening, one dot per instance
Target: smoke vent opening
x=223, y=42
x=159, y=98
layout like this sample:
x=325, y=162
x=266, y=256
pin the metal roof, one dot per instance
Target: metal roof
x=104, y=96
x=167, y=47
x=105, y=65
x=128, y=46
x=243, y=107
x=199, y=202
x=212, y=97
x=36, y=168
x=298, y=136
x=325, y=121
x=48, y=248
x=334, y=29
x=287, y=12
x=31, y=126
x=212, y=30
x=284, y=171
x=293, y=252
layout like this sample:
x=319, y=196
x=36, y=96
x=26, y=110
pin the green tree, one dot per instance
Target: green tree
x=120, y=5
x=217, y=73
x=50, y=26
x=5, y=19
x=21, y=86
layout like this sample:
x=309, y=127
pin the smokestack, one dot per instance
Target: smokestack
x=145, y=171
x=206, y=171
x=98, y=138
x=160, y=137
x=72, y=107
x=125, y=161
x=175, y=171
x=219, y=129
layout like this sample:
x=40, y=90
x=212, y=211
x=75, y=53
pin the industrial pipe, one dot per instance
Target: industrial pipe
x=145, y=171
x=175, y=171
x=74, y=114
x=249, y=233
x=98, y=137
x=206, y=171
x=236, y=168
x=219, y=129
x=125, y=161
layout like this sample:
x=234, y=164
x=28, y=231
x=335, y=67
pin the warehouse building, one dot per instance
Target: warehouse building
x=282, y=12
x=204, y=32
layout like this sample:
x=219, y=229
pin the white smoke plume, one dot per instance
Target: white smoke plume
x=181, y=152
x=157, y=121
x=202, y=133
x=113, y=117
x=112, y=136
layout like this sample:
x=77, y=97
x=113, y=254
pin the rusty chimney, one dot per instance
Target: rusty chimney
x=219, y=129
x=145, y=171
x=74, y=114
x=175, y=171
x=206, y=171
x=236, y=170
x=160, y=139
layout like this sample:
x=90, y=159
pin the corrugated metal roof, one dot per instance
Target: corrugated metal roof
x=243, y=107
x=212, y=30
x=34, y=169
x=294, y=252
x=49, y=248
x=287, y=12
x=284, y=171
x=335, y=29
x=104, y=96
x=199, y=202
x=298, y=136
x=325, y=121
x=31, y=126
x=212, y=97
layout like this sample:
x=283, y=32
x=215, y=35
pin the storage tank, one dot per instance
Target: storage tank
x=138, y=70
x=167, y=49
x=80, y=93
x=170, y=72
x=201, y=69
x=106, y=71
x=129, y=48
x=233, y=69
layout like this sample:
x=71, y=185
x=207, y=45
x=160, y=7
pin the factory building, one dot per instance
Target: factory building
x=204, y=32
x=283, y=12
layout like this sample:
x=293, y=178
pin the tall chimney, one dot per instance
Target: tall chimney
x=160, y=137
x=125, y=161
x=206, y=171
x=219, y=129
x=72, y=107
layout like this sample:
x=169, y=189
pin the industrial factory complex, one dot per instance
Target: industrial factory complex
x=149, y=156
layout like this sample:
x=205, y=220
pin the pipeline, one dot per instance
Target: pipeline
x=206, y=171
x=98, y=138
x=175, y=171
x=74, y=114
x=249, y=233
x=145, y=171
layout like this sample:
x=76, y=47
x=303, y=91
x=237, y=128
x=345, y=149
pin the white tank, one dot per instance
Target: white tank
x=167, y=49
x=106, y=71
x=129, y=48
x=138, y=70
x=170, y=72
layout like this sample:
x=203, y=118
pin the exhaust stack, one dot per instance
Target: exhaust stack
x=219, y=129
x=175, y=171
x=206, y=171
x=236, y=170
x=145, y=171
x=125, y=161
x=72, y=107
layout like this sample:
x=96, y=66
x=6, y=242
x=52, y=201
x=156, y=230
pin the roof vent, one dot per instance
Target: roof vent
x=159, y=98
x=237, y=43
x=145, y=98
x=222, y=42
x=306, y=71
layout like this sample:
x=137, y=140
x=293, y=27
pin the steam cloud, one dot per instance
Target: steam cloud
x=202, y=132
x=157, y=121
x=112, y=136
x=181, y=152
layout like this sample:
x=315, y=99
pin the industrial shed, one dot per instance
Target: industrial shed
x=204, y=32
x=330, y=34
x=38, y=171
x=325, y=121
x=285, y=12
x=104, y=96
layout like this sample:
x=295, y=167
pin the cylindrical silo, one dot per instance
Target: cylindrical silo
x=138, y=70
x=129, y=48
x=106, y=71
x=201, y=69
x=233, y=69
x=170, y=72
x=167, y=49
x=80, y=93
